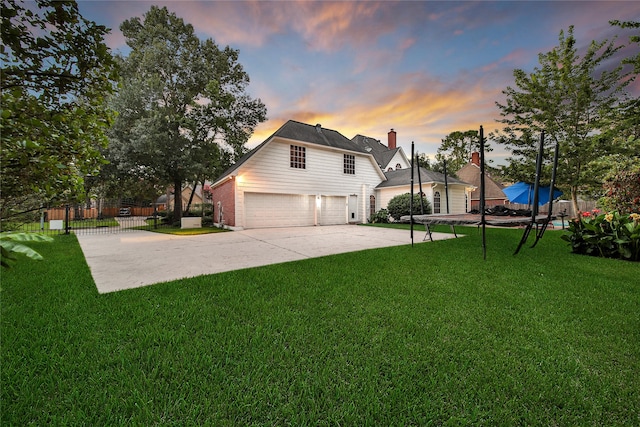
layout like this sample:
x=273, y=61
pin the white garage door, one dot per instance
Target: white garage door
x=333, y=210
x=278, y=210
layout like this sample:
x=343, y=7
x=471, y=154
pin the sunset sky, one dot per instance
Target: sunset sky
x=425, y=68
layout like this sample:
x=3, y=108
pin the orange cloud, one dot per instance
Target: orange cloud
x=422, y=109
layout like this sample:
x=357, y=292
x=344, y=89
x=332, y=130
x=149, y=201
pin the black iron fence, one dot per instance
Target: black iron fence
x=103, y=217
x=82, y=219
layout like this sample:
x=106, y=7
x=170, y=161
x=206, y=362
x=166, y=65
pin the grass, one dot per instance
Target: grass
x=429, y=335
x=85, y=223
x=177, y=231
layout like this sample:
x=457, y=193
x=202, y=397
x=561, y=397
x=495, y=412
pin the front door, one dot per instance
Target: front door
x=353, y=208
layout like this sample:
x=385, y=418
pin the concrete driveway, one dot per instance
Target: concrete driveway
x=138, y=258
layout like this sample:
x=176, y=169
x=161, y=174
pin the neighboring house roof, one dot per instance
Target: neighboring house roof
x=380, y=152
x=302, y=132
x=471, y=173
x=399, y=177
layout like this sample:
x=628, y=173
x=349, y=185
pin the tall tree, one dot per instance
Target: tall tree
x=456, y=149
x=56, y=71
x=573, y=99
x=182, y=104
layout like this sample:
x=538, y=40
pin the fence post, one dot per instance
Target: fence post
x=66, y=219
x=155, y=215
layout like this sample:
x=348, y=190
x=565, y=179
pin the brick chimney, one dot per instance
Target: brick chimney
x=391, y=139
x=475, y=158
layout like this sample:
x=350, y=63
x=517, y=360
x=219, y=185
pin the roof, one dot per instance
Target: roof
x=302, y=132
x=471, y=174
x=400, y=177
x=381, y=152
x=316, y=135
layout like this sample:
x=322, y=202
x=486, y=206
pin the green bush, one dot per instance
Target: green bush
x=622, y=191
x=609, y=235
x=399, y=205
x=380, y=217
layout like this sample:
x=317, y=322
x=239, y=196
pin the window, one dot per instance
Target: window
x=349, y=164
x=436, y=202
x=398, y=166
x=297, y=157
x=372, y=206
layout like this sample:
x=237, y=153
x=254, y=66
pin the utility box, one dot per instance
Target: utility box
x=191, y=222
x=56, y=224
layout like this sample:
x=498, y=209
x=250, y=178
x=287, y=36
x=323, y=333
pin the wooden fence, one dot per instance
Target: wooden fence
x=92, y=213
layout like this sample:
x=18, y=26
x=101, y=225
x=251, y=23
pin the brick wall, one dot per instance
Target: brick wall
x=224, y=193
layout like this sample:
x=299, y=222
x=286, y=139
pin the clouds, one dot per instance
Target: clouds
x=423, y=68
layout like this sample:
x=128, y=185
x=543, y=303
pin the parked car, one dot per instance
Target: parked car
x=125, y=212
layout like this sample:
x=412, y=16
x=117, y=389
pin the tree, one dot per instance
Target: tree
x=399, y=205
x=622, y=188
x=574, y=100
x=456, y=149
x=56, y=71
x=183, y=110
x=634, y=60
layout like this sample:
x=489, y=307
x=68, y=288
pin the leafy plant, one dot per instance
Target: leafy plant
x=623, y=191
x=399, y=205
x=11, y=244
x=380, y=217
x=609, y=235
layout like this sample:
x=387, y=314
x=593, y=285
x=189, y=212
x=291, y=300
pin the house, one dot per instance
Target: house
x=434, y=188
x=309, y=175
x=493, y=194
x=301, y=175
x=166, y=200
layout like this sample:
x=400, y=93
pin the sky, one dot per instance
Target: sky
x=422, y=68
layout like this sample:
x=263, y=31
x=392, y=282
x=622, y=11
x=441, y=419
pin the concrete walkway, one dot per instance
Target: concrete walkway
x=138, y=258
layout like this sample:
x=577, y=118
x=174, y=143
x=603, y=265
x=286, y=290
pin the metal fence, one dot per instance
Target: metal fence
x=83, y=219
x=96, y=217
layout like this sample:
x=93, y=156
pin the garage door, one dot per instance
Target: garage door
x=333, y=210
x=278, y=210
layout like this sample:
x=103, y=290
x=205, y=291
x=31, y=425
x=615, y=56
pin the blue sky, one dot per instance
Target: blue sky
x=423, y=68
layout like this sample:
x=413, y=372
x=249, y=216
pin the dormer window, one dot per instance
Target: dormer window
x=297, y=157
x=398, y=166
x=349, y=164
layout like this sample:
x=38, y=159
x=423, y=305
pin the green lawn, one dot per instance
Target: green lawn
x=429, y=335
x=85, y=223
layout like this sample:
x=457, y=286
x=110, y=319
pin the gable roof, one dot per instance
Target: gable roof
x=398, y=177
x=316, y=135
x=380, y=152
x=471, y=174
x=302, y=132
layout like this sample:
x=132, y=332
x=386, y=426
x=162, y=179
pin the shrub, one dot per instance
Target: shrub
x=622, y=191
x=399, y=205
x=609, y=235
x=380, y=217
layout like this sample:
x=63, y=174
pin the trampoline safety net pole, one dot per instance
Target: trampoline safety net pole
x=411, y=196
x=482, y=195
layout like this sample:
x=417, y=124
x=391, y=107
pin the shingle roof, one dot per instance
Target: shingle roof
x=400, y=177
x=381, y=152
x=317, y=135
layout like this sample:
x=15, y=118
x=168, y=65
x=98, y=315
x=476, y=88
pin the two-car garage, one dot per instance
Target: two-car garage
x=286, y=210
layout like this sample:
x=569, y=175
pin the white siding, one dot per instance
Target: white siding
x=268, y=171
x=456, y=196
x=398, y=158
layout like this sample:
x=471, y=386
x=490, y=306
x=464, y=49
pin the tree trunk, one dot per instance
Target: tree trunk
x=574, y=201
x=177, y=200
x=193, y=190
